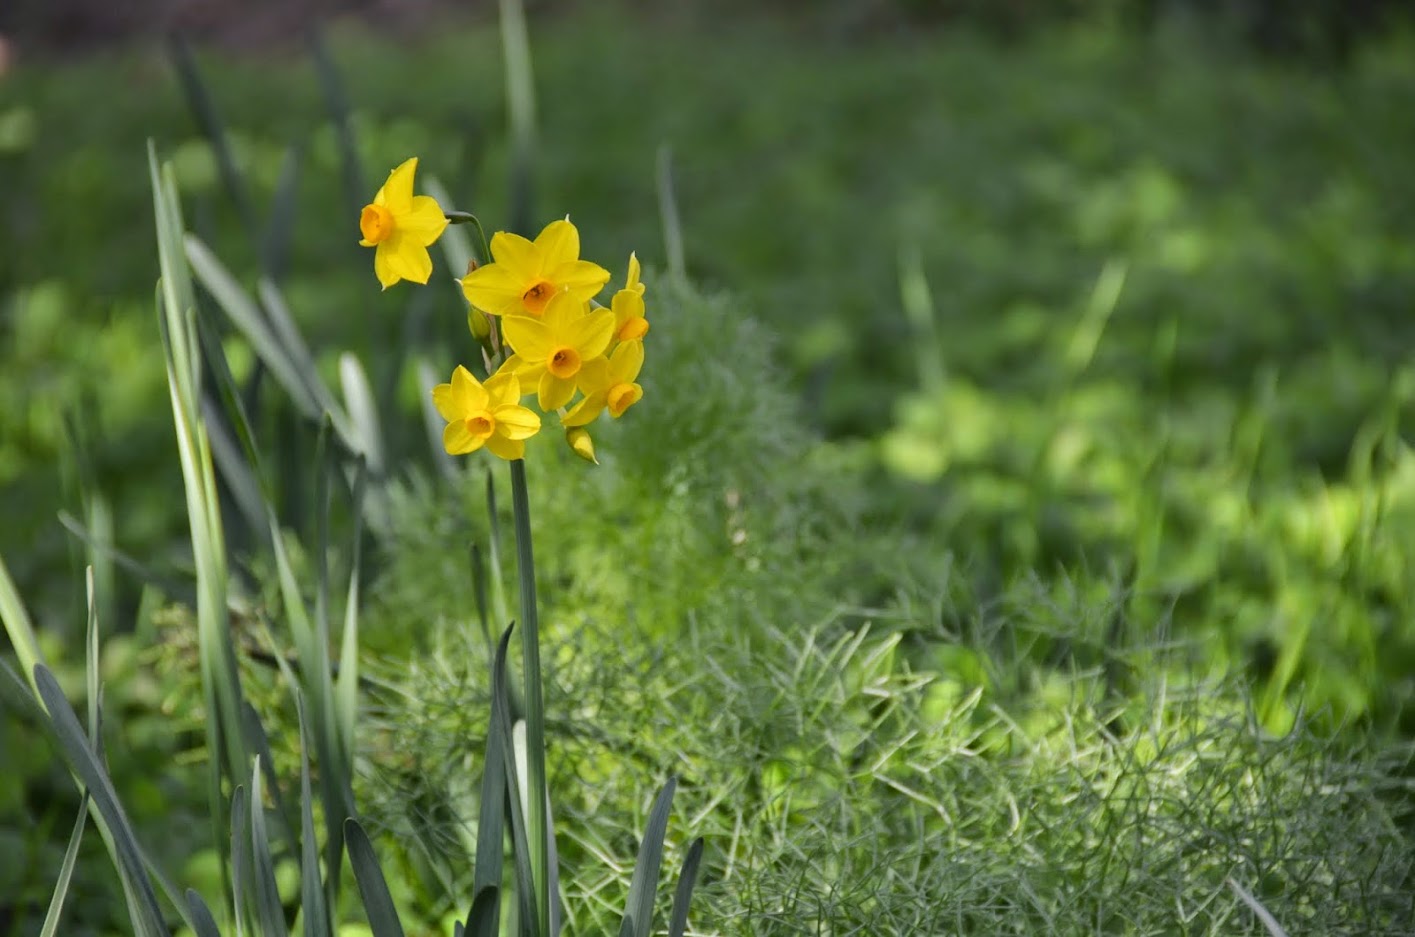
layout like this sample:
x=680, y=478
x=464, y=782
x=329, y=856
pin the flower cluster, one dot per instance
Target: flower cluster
x=549, y=338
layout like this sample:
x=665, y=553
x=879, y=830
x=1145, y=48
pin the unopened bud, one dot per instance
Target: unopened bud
x=479, y=325
x=579, y=439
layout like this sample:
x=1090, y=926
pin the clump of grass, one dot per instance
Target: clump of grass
x=966, y=756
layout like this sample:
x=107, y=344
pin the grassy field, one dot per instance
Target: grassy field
x=1016, y=535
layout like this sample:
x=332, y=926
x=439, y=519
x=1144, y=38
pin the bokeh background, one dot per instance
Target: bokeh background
x=1115, y=298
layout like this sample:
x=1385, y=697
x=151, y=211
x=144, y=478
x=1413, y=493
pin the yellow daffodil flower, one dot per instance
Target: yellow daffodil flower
x=628, y=305
x=487, y=415
x=401, y=226
x=608, y=382
x=526, y=275
x=553, y=349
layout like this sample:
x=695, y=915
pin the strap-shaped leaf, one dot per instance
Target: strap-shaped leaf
x=683, y=894
x=74, y=744
x=269, y=912
x=520, y=846
x=638, y=913
x=66, y=873
x=485, y=917
x=378, y=903
x=202, y=921
x=240, y=859
x=312, y=898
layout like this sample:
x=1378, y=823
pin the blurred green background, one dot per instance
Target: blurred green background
x=1111, y=293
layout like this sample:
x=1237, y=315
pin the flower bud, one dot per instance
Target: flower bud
x=579, y=439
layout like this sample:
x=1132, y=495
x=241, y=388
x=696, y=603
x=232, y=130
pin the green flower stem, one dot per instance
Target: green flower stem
x=466, y=217
x=538, y=822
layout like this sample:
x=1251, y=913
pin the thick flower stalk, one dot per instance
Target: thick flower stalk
x=526, y=275
x=400, y=226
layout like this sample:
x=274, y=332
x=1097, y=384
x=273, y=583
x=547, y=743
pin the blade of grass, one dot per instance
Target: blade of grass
x=269, y=912
x=209, y=121
x=275, y=245
x=521, y=113
x=538, y=825
x=66, y=873
x=312, y=896
x=73, y=743
x=520, y=847
x=669, y=218
x=638, y=911
x=683, y=893
x=18, y=626
x=378, y=903
x=244, y=902
x=363, y=413
x=202, y=922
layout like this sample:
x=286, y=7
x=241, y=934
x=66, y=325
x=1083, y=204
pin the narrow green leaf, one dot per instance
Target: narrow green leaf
x=235, y=471
x=275, y=245
x=66, y=873
x=491, y=834
x=203, y=108
x=312, y=897
x=520, y=846
x=484, y=920
x=538, y=817
x=683, y=893
x=356, y=192
x=244, y=901
x=297, y=352
x=521, y=111
x=246, y=316
x=669, y=218
x=363, y=413
x=269, y=912
x=171, y=587
x=638, y=913
x=202, y=922
x=346, y=686
x=18, y=626
x=73, y=743
x=378, y=903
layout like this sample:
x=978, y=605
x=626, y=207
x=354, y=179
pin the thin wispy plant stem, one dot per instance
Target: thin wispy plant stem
x=538, y=821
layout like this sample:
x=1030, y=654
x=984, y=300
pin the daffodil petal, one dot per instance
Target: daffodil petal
x=424, y=221
x=626, y=304
x=563, y=309
x=582, y=278
x=444, y=400
x=519, y=257
x=397, y=192
x=458, y=440
x=530, y=338
x=594, y=375
x=407, y=259
x=516, y=421
x=468, y=395
x=493, y=290
x=626, y=362
x=554, y=392
x=503, y=389
x=559, y=244
x=591, y=335
x=584, y=412
x=383, y=266
x=632, y=281
x=508, y=449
